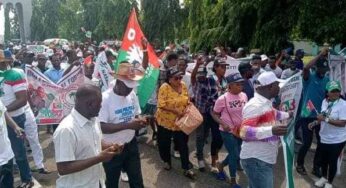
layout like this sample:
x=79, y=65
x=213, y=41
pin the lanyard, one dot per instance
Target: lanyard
x=330, y=105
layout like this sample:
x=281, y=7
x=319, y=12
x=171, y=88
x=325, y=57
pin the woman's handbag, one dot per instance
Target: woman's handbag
x=191, y=119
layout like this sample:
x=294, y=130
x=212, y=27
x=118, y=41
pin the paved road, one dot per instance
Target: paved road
x=155, y=176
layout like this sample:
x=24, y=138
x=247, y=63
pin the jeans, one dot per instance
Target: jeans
x=329, y=159
x=164, y=142
x=6, y=175
x=259, y=173
x=19, y=150
x=201, y=136
x=307, y=141
x=129, y=161
x=233, y=146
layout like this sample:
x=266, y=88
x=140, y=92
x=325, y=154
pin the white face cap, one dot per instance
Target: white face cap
x=264, y=57
x=129, y=83
x=267, y=78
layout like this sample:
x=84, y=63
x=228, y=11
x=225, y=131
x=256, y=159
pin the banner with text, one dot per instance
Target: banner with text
x=290, y=93
x=52, y=102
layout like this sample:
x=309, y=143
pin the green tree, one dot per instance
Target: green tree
x=113, y=18
x=164, y=21
x=322, y=21
x=71, y=19
x=7, y=34
x=45, y=19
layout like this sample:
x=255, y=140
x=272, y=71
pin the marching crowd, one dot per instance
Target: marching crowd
x=96, y=143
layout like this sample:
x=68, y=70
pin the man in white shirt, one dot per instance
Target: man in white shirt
x=290, y=71
x=259, y=132
x=6, y=153
x=271, y=66
x=119, y=121
x=79, y=149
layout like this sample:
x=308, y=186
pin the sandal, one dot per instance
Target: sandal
x=26, y=185
x=190, y=174
x=167, y=166
x=301, y=170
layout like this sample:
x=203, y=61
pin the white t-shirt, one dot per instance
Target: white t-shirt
x=331, y=134
x=118, y=109
x=277, y=71
x=187, y=80
x=288, y=73
x=6, y=152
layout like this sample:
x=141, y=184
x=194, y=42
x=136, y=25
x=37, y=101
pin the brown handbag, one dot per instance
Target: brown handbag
x=191, y=119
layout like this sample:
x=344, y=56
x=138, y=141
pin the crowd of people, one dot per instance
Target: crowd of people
x=95, y=144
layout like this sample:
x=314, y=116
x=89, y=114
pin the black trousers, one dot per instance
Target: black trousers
x=180, y=139
x=307, y=141
x=127, y=160
x=329, y=159
x=216, y=142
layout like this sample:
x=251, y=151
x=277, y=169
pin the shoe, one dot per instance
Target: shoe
x=321, y=182
x=167, y=166
x=190, y=174
x=124, y=177
x=26, y=185
x=221, y=176
x=43, y=171
x=328, y=185
x=201, y=165
x=176, y=154
x=301, y=170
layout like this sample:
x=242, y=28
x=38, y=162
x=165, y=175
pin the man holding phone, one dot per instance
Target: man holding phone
x=120, y=119
x=79, y=149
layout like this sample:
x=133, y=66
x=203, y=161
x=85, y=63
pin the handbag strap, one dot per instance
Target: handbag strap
x=229, y=114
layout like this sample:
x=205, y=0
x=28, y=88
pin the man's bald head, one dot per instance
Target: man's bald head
x=87, y=91
x=88, y=100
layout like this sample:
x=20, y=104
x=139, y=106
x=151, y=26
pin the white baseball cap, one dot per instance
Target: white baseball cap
x=264, y=57
x=129, y=83
x=267, y=78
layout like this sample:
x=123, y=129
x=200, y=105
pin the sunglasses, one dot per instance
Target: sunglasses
x=176, y=78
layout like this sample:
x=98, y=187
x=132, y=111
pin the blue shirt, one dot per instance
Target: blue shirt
x=54, y=75
x=314, y=89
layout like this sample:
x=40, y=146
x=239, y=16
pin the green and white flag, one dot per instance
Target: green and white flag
x=131, y=51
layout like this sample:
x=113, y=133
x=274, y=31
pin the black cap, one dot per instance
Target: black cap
x=174, y=71
x=256, y=57
x=243, y=67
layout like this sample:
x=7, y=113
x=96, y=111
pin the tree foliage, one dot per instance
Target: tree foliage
x=45, y=19
x=164, y=21
x=265, y=24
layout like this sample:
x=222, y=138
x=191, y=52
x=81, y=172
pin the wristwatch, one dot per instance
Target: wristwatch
x=327, y=120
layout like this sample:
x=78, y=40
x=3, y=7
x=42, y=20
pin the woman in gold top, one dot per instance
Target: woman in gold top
x=172, y=100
